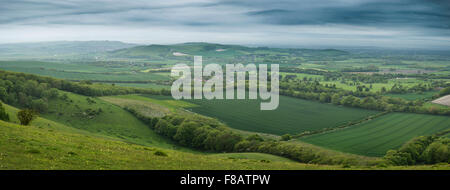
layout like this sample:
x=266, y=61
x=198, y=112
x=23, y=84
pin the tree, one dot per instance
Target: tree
x=3, y=115
x=286, y=137
x=40, y=105
x=335, y=99
x=3, y=94
x=185, y=132
x=26, y=116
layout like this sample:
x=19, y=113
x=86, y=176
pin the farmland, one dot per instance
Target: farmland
x=293, y=115
x=74, y=71
x=331, y=112
x=375, y=137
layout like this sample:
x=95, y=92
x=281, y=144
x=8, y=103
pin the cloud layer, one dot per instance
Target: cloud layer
x=293, y=23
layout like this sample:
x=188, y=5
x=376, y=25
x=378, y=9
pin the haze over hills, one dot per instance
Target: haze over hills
x=59, y=48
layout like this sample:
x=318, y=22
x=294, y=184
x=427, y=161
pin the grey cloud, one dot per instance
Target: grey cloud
x=280, y=20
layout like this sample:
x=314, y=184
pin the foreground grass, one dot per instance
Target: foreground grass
x=31, y=147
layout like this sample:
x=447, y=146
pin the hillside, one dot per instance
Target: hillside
x=48, y=147
x=31, y=147
x=220, y=52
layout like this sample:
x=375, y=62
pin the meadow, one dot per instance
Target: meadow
x=80, y=113
x=375, y=137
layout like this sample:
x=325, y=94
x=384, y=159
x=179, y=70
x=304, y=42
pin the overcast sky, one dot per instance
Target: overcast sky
x=288, y=23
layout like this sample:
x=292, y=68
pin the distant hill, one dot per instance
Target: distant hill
x=219, y=51
x=59, y=48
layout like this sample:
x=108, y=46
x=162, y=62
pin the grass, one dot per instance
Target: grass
x=414, y=96
x=143, y=85
x=253, y=156
x=113, y=121
x=375, y=137
x=292, y=116
x=31, y=147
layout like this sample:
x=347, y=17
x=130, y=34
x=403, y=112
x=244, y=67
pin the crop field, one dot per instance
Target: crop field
x=79, y=71
x=375, y=137
x=143, y=85
x=292, y=116
x=414, y=96
x=376, y=86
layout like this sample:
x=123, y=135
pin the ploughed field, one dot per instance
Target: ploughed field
x=292, y=116
x=375, y=137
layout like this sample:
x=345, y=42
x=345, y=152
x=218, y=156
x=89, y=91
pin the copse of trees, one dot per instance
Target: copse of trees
x=421, y=150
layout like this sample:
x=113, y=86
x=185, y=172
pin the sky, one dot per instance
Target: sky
x=423, y=24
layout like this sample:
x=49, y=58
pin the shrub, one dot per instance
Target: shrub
x=286, y=137
x=160, y=153
x=398, y=158
x=26, y=116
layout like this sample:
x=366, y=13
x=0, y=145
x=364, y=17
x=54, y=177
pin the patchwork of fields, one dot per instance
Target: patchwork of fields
x=79, y=71
x=375, y=137
x=292, y=116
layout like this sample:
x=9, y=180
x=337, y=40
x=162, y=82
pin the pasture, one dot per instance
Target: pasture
x=375, y=137
x=103, y=118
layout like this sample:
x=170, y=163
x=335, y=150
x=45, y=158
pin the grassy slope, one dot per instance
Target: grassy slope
x=374, y=138
x=30, y=147
x=113, y=121
x=33, y=147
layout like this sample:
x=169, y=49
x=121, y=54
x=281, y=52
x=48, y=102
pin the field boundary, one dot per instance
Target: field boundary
x=349, y=124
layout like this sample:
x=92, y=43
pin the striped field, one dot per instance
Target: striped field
x=374, y=138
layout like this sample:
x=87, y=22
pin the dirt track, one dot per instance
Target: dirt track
x=445, y=100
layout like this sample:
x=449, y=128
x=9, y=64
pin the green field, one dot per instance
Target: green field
x=375, y=137
x=414, y=96
x=80, y=71
x=292, y=116
x=143, y=85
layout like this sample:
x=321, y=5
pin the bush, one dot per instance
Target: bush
x=3, y=115
x=398, y=158
x=286, y=137
x=437, y=152
x=26, y=116
x=160, y=153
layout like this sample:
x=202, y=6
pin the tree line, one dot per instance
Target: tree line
x=34, y=92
